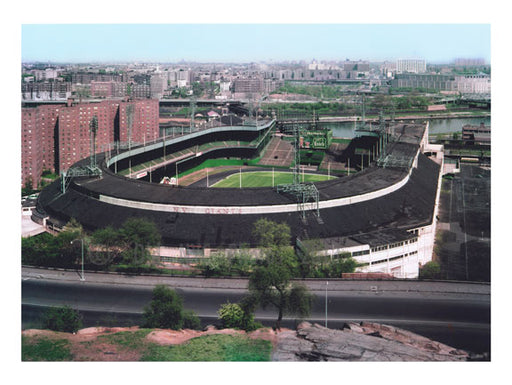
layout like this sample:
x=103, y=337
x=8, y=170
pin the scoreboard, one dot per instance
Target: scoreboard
x=320, y=139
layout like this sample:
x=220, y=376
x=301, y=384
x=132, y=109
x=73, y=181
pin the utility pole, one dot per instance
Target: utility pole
x=82, y=276
x=326, y=285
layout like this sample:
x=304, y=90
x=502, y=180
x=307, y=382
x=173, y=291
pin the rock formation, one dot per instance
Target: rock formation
x=360, y=342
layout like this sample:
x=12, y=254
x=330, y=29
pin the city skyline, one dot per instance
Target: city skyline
x=224, y=43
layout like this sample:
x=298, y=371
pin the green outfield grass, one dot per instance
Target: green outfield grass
x=264, y=179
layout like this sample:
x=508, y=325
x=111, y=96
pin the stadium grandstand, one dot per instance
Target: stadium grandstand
x=384, y=215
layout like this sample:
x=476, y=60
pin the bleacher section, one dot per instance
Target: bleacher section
x=332, y=157
x=279, y=153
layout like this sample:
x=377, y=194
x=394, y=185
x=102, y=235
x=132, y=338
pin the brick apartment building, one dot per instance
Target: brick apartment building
x=54, y=137
x=109, y=89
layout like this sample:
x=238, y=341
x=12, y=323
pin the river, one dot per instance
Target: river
x=437, y=126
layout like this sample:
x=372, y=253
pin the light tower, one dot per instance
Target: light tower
x=193, y=104
x=93, y=125
x=305, y=194
x=84, y=171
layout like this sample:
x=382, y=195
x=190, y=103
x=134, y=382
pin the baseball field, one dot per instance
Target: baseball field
x=266, y=179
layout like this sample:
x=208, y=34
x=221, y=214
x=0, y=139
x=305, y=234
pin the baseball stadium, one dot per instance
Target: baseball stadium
x=204, y=189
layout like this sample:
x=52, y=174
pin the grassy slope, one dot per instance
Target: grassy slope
x=219, y=347
x=45, y=349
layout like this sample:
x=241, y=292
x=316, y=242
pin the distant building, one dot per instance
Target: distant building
x=473, y=84
x=88, y=77
x=158, y=84
x=348, y=70
x=108, y=89
x=140, y=91
x=245, y=86
x=464, y=62
x=46, y=74
x=411, y=66
x=467, y=84
x=43, y=91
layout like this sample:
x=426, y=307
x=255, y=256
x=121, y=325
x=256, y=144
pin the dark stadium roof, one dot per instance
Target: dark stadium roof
x=409, y=207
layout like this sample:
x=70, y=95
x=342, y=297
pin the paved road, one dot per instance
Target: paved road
x=456, y=314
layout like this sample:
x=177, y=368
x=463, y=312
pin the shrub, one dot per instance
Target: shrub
x=63, y=319
x=431, y=270
x=231, y=315
x=191, y=320
x=238, y=316
x=166, y=311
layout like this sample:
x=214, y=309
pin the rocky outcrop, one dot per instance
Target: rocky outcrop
x=360, y=342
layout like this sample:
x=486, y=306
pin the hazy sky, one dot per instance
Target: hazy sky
x=437, y=43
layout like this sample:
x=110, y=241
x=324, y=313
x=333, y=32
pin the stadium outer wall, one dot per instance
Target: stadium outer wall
x=389, y=228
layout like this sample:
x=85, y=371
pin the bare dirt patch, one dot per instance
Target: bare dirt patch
x=176, y=337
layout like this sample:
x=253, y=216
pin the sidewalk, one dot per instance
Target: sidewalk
x=320, y=285
x=29, y=228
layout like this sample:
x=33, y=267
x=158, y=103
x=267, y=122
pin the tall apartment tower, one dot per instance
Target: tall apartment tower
x=72, y=140
x=411, y=66
x=54, y=137
x=138, y=121
x=38, y=127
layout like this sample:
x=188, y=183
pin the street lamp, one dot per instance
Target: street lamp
x=82, y=277
x=326, y=284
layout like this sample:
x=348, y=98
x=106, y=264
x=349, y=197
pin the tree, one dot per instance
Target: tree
x=138, y=234
x=268, y=233
x=306, y=256
x=29, y=188
x=336, y=266
x=270, y=284
x=166, y=311
x=270, y=281
x=74, y=226
x=63, y=319
x=105, y=243
x=51, y=251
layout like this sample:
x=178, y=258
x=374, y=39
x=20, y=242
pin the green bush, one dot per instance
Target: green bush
x=51, y=251
x=231, y=315
x=238, y=316
x=166, y=311
x=63, y=319
x=430, y=270
x=191, y=320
